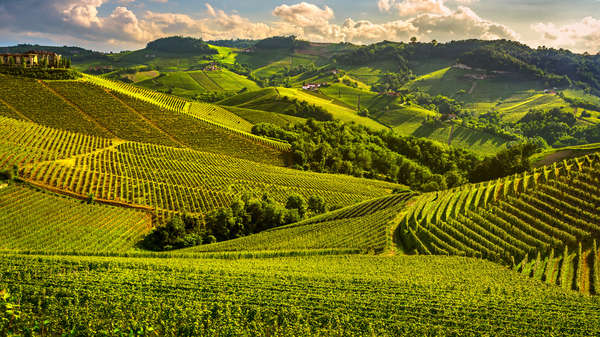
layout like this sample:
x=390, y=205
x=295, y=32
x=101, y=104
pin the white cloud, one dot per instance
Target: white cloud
x=580, y=36
x=461, y=24
x=413, y=7
x=304, y=14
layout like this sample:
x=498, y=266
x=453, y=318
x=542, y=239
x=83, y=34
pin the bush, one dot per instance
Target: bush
x=41, y=73
x=317, y=205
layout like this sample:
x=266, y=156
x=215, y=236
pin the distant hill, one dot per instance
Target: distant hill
x=180, y=44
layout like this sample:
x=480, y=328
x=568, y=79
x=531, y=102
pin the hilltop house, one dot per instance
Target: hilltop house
x=31, y=58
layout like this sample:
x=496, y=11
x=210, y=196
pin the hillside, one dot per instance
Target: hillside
x=282, y=187
x=543, y=223
x=127, y=114
x=159, y=178
x=366, y=226
x=307, y=296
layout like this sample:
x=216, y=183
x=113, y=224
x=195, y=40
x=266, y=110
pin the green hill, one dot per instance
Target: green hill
x=83, y=107
x=159, y=178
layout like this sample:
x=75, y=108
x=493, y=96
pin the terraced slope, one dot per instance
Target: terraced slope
x=538, y=216
x=294, y=296
x=366, y=226
x=154, y=177
x=33, y=220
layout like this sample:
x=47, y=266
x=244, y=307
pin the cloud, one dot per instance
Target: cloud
x=81, y=21
x=413, y=7
x=580, y=36
x=461, y=24
x=304, y=14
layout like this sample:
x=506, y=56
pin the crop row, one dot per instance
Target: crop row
x=509, y=220
x=306, y=296
x=198, y=134
x=38, y=103
x=168, y=102
x=34, y=220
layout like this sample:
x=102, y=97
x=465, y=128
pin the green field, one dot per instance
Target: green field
x=365, y=227
x=289, y=296
x=33, y=220
x=339, y=111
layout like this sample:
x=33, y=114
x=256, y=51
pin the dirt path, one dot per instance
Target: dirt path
x=148, y=121
x=76, y=107
x=473, y=87
x=70, y=161
x=12, y=108
x=451, y=134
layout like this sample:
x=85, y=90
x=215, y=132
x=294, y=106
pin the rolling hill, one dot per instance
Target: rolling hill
x=158, y=178
x=91, y=168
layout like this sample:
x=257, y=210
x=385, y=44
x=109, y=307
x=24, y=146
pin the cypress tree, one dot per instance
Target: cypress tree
x=564, y=269
x=595, y=270
x=579, y=270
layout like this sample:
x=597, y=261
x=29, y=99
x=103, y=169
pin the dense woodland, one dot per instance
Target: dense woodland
x=420, y=163
x=180, y=44
x=246, y=215
x=559, y=67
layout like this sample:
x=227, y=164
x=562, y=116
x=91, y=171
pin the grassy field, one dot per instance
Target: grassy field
x=549, y=156
x=288, y=296
x=339, y=111
x=222, y=80
x=261, y=116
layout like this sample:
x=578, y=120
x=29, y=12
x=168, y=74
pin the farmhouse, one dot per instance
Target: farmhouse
x=31, y=58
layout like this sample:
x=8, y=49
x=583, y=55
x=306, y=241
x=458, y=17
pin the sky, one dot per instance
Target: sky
x=114, y=25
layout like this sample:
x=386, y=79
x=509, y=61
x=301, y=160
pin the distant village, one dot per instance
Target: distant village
x=34, y=58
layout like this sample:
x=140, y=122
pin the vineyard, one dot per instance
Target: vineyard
x=165, y=101
x=366, y=227
x=161, y=178
x=543, y=223
x=32, y=220
x=30, y=100
x=83, y=107
x=213, y=115
x=292, y=296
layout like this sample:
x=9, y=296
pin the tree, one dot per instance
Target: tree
x=316, y=204
x=413, y=39
x=296, y=201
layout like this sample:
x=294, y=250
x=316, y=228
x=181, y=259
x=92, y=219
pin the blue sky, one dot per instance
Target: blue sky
x=130, y=24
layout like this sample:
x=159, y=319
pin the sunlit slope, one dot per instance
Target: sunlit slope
x=365, y=227
x=191, y=83
x=129, y=113
x=161, y=178
x=511, y=94
x=271, y=99
x=549, y=217
x=35, y=220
